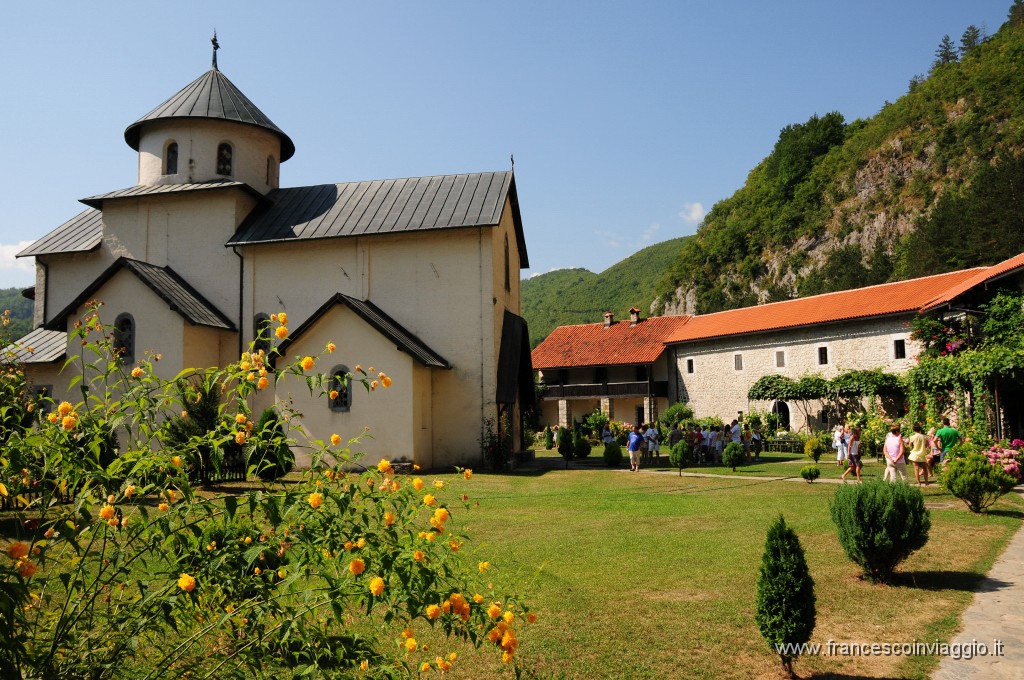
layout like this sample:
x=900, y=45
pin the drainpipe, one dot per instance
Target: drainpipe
x=241, y=296
x=46, y=288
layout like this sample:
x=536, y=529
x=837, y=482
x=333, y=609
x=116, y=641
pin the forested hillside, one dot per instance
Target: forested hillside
x=21, y=313
x=932, y=183
x=568, y=296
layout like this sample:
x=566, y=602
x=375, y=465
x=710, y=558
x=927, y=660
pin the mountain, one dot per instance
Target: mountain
x=932, y=183
x=21, y=314
x=569, y=296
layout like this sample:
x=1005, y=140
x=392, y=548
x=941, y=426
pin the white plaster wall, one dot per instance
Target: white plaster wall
x=68, y=274
x=715, y=388
x=198, y=140
x=388, y=412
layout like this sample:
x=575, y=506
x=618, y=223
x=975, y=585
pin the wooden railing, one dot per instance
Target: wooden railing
x=640, y=388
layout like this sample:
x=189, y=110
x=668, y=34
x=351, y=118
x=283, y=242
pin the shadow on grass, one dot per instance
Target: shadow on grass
x=842, y=676
x=966, y=581
x=1015, y=514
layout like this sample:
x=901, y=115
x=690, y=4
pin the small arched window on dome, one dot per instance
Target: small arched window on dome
x=224, y=158
x=171, y=159
x=124, y=338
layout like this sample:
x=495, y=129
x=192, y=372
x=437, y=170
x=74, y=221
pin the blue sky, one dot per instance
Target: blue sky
x=628, y=120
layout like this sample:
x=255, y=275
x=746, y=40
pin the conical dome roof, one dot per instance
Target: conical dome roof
x=211, y=95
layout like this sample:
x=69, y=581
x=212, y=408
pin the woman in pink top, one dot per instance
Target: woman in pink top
x=895, y=455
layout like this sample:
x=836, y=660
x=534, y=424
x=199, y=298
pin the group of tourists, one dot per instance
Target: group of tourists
x=644, y=442
x=708, y=441
x=923, y=450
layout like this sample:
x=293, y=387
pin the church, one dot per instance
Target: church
x=417, y=277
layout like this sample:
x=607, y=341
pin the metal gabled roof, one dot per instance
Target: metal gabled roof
x=166, y=283
x=41, y=346
x=152, y=189
x=211, y=95
x=383, y=207
x=404, y=339
x=81, y=233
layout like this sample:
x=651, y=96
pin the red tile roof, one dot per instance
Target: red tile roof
x=594, y=345
x=984, y=276
x=859, y=303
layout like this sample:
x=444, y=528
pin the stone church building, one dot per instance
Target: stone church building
x=418, y=277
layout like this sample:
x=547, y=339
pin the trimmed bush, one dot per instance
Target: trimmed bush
x=549, y=439
x=880, y=525
x=734, y=455
x=975, y=481
x=674, y=415
x=680, y=456
x=565, y=445
x=815, y=448
x=612, y=454
x=271, y=458
x=784, y=610
x=580, y=446
x=810, y=473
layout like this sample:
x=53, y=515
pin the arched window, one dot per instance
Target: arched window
x=261, y=327
x=171, y=159
x=339, y=397
x=124, y=338
x=224, y=155
x=508, y=273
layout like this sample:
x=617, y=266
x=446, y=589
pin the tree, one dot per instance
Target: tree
x=945, y=53
x=971, y=38
x=1016, y=14
x=784, y=611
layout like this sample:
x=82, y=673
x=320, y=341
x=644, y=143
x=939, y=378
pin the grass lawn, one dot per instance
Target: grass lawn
x=653, y=576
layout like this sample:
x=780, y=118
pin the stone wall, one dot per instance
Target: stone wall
x=718, y=384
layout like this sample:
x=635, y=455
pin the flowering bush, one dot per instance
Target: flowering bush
x=1007, y=459
x=496, y=442
x=142, y=575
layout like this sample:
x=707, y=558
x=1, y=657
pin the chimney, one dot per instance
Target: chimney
x=634, y=316
x=609, y=319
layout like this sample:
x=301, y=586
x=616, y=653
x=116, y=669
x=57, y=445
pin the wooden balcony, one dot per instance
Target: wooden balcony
x=658, y=388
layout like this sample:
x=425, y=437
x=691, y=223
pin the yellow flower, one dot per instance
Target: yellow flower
x=26, y=568
x=372, y=369
x=281, y=573
x=307, y=363
x=377, y=586
x=531, y=617
x=64, y=408
x=281, y=332
x=419, y=556
x=240, y=419
x=484, y=566
x=129, y=491
x=244, y=364
x=17, y=551
x=389, y=518
x=417, y=484
x=359, y=369
x=410, y=644
x=52, y=417
x=424, y=667
x=373, y=385
x=331, y=347
x=356, y=567
x=508, y=617
x=107, y=512
x=429, y=500
x=163, y=507
x=282, y=317
x=68, y=423
x=433, y=611
x=240, y=438
x=407, y=633
x=186, y=583
x=262, y=384
x=384, y=467
x=335, y=439
x=333, y=394
x=385, y=380
x=364, y=665
x=494, y=611
x=138, y=372
x=176, y=461
x=316, y=499
x=361, y=543
x=478, y=598
x=506, y=657
x=467, y=473
x=257, y=571
x=438, y=484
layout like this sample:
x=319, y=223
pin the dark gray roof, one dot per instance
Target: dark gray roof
x=383, y=207
x=150, y=189
x=404, y=340
x=46, y=346
x=211, y=95
x=165, y=282
x=81, y=233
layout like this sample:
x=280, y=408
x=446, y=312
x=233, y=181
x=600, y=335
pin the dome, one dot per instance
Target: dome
x=211, y=96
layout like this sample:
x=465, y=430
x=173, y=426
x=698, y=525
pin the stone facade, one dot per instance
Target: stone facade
x=714, y=375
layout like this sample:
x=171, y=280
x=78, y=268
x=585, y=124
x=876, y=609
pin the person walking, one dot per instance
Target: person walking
x=853, y=455
x=895, y=455
x=653, y=436
x=919, y=451
x=633, y=446
x=755, y=443
x=839, y=444
x=949, y=438
x=606, y=434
